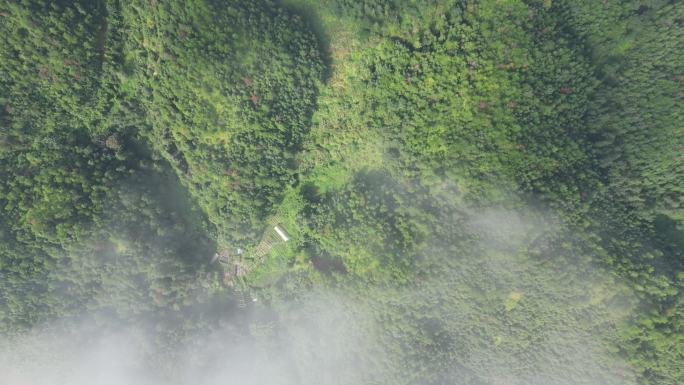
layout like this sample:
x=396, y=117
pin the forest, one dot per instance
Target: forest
x=480, y=192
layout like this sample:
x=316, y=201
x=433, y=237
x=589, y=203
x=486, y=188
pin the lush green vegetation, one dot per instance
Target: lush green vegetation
x=228, y=102
x=495, y=183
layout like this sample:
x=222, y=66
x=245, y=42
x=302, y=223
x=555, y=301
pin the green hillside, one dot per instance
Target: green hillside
x=493, y=191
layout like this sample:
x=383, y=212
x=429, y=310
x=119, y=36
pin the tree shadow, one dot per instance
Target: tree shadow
x=312, y=20
x=670, y=238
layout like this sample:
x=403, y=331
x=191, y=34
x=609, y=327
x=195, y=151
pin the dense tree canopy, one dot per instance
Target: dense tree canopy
x=228, y=102
x=499, y=182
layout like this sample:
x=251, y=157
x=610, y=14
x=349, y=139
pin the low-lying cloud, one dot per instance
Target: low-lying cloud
x=489, y=316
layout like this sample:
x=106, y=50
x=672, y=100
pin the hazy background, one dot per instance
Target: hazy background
x=539, y=332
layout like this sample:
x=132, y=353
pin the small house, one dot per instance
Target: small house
x=282, y=233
